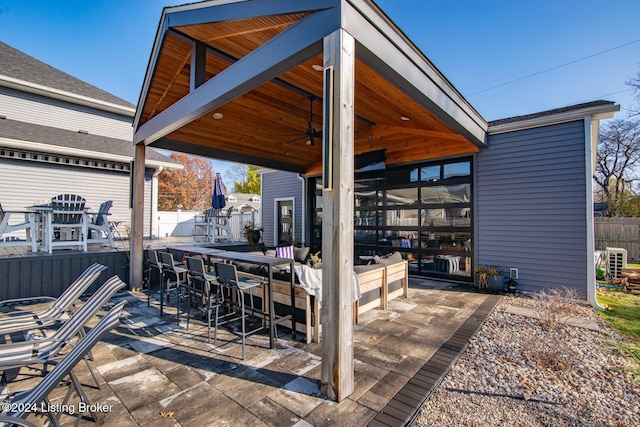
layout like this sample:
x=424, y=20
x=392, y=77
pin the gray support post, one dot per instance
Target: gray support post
x=337, y=375
x=137, y=214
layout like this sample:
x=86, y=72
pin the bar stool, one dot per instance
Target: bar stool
x=177, y=272
x=198, y=275
x=228, y=278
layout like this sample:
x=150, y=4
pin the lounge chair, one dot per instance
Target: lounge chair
x=27, y=399
x=63, y=305
x=37, y=350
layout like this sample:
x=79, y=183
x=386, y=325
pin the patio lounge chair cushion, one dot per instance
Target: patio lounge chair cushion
x=22, y=401
x=21, y=321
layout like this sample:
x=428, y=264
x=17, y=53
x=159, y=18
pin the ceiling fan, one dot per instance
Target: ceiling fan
x=311, y=133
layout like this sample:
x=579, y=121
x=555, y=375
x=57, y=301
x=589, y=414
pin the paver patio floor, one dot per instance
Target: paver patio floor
x=153, y=371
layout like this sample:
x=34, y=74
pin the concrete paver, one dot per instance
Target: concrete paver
x=153, y=371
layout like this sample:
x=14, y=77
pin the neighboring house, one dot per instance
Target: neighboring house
x=600, y=209
x=244, y=202
x=59, y=135
x=282, y=207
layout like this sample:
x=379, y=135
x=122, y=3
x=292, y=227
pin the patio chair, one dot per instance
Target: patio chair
x=198, y=276
x=68, y=220
x=174, y=275
x=221, y=223
x=29, y=225
x=99, y=223
x=202, y=225
x=17, y=321
x=43, y=350
x=24, y=400
x=228, y=278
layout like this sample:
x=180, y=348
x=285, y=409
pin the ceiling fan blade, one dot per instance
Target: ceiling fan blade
x=300, y=138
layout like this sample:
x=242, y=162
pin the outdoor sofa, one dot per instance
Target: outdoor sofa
x=380, y=280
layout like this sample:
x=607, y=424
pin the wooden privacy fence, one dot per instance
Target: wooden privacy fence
x=619, y=233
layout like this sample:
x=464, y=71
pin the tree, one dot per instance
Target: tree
x=634, y=83
x=618, y=152
x=247, y=180
x=189, y=188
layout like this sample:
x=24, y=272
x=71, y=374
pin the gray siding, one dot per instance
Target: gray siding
x=280, y=185
x=531, y=205
x=31, y=108
x=24, y=183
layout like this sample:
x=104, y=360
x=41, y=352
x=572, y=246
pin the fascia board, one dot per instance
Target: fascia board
x=77, y=152
x=49, y=92
x=293, y=46
x=203, y=13
x=596, y=113
x=151, y=65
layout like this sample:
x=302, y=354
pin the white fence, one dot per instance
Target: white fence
x=181, y=223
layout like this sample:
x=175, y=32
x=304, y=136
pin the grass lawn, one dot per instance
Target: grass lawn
x=623, y=312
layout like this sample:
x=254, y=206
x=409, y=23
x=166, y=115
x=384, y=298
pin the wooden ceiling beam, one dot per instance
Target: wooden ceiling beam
x=291, y=47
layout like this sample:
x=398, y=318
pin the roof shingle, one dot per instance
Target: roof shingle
x=19, y=65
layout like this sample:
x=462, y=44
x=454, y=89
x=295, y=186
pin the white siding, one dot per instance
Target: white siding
x=24, y=183
x=31, y=108
x=530, y=205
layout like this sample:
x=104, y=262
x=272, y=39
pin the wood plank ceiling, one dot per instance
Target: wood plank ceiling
x=270, y=122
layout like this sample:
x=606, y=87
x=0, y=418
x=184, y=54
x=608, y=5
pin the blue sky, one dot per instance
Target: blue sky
x=477, y=45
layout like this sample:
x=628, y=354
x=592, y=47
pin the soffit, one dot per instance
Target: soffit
x=268, y=124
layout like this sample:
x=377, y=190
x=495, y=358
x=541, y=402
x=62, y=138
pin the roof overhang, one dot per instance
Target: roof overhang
x=596, y=111
x=252, y=61
x=77, y=152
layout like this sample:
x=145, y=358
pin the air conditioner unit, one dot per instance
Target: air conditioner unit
x=616, y=261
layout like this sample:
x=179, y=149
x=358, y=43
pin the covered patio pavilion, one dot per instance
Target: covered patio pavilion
x=301, y=86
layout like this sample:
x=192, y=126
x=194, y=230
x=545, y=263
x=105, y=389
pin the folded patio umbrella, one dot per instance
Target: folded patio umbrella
x=217, y=199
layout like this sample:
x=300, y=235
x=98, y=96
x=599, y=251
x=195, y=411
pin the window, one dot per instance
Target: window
x=423, y=211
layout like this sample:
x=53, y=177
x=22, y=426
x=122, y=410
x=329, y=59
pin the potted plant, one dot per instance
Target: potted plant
x=315, y=260
x=490, y=277
x=252, y=233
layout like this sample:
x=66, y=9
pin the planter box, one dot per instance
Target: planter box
x=496, y=284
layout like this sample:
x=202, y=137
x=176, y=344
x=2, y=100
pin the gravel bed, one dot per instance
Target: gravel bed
x=520, y=371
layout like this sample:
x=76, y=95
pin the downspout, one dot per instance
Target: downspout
x=591, y=145
x=303, y=205
x=153, y=223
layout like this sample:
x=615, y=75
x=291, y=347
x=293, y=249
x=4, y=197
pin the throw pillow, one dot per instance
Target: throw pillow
x=301, y=254
x=285, y=252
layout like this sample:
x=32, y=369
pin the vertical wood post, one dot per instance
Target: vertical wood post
x=337, y=376
x=137, y=215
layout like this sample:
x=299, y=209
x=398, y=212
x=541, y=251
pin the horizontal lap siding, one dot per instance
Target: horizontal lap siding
x=40, y=110
x=531, y=205
x=24, y=183
x=279, y=185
